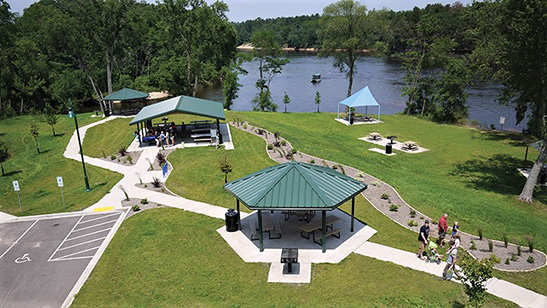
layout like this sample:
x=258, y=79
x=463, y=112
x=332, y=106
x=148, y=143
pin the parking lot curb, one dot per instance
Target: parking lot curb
x=89, y=268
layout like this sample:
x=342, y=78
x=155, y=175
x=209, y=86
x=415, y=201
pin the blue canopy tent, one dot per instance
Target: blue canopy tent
x=363, y=98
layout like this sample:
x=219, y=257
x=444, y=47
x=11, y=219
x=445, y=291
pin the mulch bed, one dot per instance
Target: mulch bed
x=376, y=188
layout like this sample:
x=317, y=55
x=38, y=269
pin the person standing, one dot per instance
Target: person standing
x=443, y=227
x=452, y=255
x=455, y=229
x=423, y=238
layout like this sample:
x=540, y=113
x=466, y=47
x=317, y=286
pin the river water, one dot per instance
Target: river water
x=383, y=77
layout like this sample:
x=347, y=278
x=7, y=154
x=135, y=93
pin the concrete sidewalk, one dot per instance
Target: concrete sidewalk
x=500, y=288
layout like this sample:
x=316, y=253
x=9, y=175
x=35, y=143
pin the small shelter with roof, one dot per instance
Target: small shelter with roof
x=296, y=188
x=362, y=98
x=195, y=131
x=126, y=94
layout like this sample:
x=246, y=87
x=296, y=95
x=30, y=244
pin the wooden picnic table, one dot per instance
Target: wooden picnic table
x=310, y=228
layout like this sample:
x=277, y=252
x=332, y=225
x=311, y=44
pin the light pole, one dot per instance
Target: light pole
x=72, y=114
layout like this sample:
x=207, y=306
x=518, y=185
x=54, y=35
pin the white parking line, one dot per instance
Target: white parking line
x=17, y=241
x=103, y=216
x=84, y=235
x=77, y=253
x=80, y=244
x=103, y=223
x=66, y=238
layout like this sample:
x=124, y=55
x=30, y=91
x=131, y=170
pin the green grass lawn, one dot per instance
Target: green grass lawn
x=468, y=173
x=107, y=139
x=172, y=258
x=36, y=172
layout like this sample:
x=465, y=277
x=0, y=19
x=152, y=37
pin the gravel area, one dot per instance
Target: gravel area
x=151, y=187
x=124, y=160
x=156, y=165
x=376, y=188
x=142, y=207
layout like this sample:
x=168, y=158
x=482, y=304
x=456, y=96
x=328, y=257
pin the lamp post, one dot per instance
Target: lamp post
x=72, y=114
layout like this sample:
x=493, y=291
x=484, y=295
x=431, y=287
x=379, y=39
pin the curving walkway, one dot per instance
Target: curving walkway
x=503, y=289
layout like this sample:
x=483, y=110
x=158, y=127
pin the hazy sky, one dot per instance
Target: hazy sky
x=250, y=9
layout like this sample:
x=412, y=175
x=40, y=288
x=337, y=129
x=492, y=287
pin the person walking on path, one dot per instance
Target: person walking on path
x=423, y=238
x=452, y=255
x=455, y=228
x=443, y=227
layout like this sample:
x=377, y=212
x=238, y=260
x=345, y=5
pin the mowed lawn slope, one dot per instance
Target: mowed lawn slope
x=172, y=258
x=37, y=172
x=108, y=138
x=467, y=173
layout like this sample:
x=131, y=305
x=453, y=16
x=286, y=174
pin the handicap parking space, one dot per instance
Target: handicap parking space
x=42, y=259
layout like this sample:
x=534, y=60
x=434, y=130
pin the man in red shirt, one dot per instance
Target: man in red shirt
x=443, y=228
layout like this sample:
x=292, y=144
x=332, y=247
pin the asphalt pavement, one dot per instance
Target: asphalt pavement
x=42, y=259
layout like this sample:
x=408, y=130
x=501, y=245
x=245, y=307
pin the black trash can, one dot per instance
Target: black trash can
x=351, y=121
x=231, y=221
x=106, y=113
x=389, y=148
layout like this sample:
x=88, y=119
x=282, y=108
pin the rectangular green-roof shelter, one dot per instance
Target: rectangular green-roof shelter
x=181, y=104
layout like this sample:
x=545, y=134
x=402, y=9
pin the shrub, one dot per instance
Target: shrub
x=145, y=185
x=421, y=217
x=473, y=246
x=312, y=161
x=530, y=241
x=294, y=151
x=156, y=182
x=277, y=144
x=490, y=246
x=225, y=167
x=412, y=213
x=530, y=260
x=394, y=208
x=112, y=157
x=412, y=223
x=514, y=257
x=384, y=196
x=505, y=240
x=507, y=261
x=270, y=146
x=519, y=250
x=136, y=208
x=289, y=156
x=277, y=135
x=342, y=169
x=161, y=158
x=130, y=159
x=495, y=259
x=283, y=142
x=260, y=131
x=144, y=201
x=118, y=160
x=334, y=167
x=122, y=151
x=104, y=154
x=150, y=163
x=244, y=126
x=475, y=275
x=479, y=230
x=375, y=183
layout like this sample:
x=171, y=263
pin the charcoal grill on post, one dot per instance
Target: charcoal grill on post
x=289, y=256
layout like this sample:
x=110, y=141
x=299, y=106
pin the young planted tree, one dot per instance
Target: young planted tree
x=225, y=167
x=34, y=132
x=4, y=155
x=474, y=276
x=267, y=52
x=344, y=34
x=286, y=100
x=51, y=117
x=317, y=99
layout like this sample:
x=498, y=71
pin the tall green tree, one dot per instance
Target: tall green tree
x=7, y=39
x=231, y=80
x=344, y=33
x=511, y=48
x=267, y=52
x=4, y=155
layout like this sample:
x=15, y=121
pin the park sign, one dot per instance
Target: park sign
x=60, y=181
x=165, y=170
x=16, y=186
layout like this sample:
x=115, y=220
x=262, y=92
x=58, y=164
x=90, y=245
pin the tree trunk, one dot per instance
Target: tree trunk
x=37, y=147
x=188, y=72
x=350, y=74
x=109, y=66
x=225, y=177
x=194, y=92
x=53, y=128
x=21, y=108
x=527, y=194
x=2, y=165
x=97, y=92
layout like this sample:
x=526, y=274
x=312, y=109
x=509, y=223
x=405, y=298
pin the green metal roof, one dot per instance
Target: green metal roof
x=537, y=145
x=181, y=104
x=126, y=94
x=295, y=185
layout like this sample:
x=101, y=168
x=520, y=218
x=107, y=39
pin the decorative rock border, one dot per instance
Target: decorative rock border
x=403, y=215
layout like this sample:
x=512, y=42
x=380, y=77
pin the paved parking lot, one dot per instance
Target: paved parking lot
x=42, y=259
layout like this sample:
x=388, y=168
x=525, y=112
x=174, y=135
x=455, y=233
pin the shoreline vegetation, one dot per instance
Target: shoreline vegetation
x=249, y=47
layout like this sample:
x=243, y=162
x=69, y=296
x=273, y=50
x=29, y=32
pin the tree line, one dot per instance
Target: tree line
x=85, y=50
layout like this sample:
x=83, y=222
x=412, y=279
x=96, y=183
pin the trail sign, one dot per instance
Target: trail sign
x=165, y=170
x=16, y=186
x=60, y=181
x=17, y=189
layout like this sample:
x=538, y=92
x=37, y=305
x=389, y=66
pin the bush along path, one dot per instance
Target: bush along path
x=385, y=199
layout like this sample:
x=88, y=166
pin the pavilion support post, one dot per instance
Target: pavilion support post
x=220, y=141
x=260, y=235
x=526, y=157
x=352, y=212
x=323, y=230
x=139, y=134
x=238, y=215
x=378, y=113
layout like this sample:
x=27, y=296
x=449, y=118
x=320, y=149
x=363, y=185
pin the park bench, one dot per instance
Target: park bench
x=318, y=238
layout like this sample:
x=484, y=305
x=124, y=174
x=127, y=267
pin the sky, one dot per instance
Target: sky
x=241, y=10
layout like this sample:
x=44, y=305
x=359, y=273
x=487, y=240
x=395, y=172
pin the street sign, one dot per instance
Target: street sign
x=502, y=120
x=165, y=170
x=16, y=186
x=60, y=181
